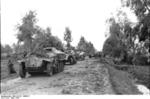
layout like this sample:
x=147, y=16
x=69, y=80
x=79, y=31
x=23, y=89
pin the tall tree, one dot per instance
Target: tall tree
x=126, y=37
x=85, y=46
x=68, y=37
x=90, y=48
x=48, y=31
x=82, y=44
x=27, y=29
x=44, y=38
x=142, y=30
x=119, y=26
x=2, y=48
x=142, y=10
x=6, y=49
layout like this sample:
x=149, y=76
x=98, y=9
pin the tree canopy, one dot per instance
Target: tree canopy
x=128, y=38
x=141, y=9
x=68, y=37
x=27, y=29
x=85, y=46
x=6, y=49
x=44, y=38
x=34, y=37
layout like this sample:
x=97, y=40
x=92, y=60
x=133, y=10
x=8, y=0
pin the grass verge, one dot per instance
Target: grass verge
x=142, y=74
x=4, y=70
x=122, y=82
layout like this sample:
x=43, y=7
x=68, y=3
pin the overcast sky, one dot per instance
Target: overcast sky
x=83, y=17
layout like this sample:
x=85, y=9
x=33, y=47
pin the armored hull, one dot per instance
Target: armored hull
x=51, y=63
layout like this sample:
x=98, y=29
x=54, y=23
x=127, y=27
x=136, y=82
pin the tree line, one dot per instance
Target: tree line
x=127, y=41
x=32, y=38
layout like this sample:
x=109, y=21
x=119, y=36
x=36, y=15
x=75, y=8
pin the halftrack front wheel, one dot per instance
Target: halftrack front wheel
x=22, y=71
x=71, y=60
x=50, y=69
x=62, y=65
x=32, y=73
x=74, y=61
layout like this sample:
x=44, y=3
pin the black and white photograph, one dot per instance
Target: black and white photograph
x=74, y=48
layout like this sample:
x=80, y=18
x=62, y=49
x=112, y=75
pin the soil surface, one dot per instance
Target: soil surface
x=85, y=77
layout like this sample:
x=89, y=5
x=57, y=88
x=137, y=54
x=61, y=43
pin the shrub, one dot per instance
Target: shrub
x=140, y=60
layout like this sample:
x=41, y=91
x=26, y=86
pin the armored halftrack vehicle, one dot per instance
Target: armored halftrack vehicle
x=70, y=57
x=80, y=55
x=49, y=60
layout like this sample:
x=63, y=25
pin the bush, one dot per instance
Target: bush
x=140, y=60
x=128, y=59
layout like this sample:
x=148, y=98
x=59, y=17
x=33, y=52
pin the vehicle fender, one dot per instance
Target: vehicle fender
x=20, y=61
x=48, y=60
x=67, y=56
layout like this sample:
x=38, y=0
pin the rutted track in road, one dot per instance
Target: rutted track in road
x=85, y=77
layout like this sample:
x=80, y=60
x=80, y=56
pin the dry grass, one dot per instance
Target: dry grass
x=4, y=69
x=122, y=82
x=142, y=74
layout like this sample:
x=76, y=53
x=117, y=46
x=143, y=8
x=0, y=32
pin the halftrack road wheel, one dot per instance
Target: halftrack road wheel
x=49, y=69
x=62, y=65
x=22, y=71
x=71, y=60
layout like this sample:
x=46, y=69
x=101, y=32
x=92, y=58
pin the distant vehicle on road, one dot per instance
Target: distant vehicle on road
x=80, y=55
x=70, y=57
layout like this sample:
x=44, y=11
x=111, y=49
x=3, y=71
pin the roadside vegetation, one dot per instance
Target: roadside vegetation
x=127, y=45
x=122, y=82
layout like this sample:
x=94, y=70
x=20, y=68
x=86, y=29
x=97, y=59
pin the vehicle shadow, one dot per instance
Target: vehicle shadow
x=37, y=75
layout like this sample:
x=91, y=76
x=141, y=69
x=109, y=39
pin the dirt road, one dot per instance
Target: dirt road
x=85, y=77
